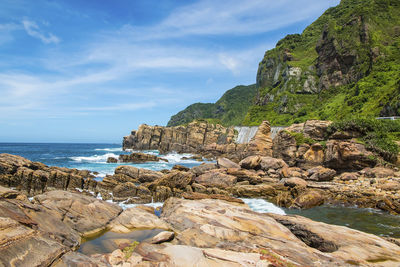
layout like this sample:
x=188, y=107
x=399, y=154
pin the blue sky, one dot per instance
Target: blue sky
x=93, y=70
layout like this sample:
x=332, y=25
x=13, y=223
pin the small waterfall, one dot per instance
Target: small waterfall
x=275, y=130
x=245, y=134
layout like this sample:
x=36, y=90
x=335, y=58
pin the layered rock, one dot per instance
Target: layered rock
x=35, y=177
x=188, y=138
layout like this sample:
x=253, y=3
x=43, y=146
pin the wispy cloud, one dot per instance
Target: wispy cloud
x=33, y=30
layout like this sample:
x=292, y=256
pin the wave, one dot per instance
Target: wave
x=178, y=158
x=95, y=158
x=261, y=205
x=114, y=149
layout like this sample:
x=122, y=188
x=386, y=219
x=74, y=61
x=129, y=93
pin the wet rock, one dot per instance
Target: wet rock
x=112, y=160
x=308, y=199
x=138, y=157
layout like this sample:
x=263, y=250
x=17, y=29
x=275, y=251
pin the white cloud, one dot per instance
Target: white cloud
x=33, y=30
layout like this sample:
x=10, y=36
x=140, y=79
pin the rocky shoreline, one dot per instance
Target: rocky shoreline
x=210, y=232
x=302, y=167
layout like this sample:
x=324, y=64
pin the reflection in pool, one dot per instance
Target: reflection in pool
x=109, y=241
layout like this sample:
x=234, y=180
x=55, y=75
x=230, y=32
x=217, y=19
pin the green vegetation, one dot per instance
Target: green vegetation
x=347, y=62
x=378, y=135
x=229, y=110
x=129, y=249
x=301, y=139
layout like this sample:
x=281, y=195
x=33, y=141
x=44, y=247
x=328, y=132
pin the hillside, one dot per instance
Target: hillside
x=346, y=63
x=230, y=109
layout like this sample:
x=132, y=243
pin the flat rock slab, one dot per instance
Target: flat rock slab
x=86, y=215
x=136, y=218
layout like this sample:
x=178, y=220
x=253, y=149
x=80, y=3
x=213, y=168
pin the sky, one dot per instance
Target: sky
x=93, y=70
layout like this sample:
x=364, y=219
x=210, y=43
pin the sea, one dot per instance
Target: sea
x=93, y=157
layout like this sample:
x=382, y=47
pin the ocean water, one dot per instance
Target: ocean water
x=91, y=157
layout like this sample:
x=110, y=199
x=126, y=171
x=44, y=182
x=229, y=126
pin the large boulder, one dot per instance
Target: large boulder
x=261, y=143
x=136, y=218
x=138, y=157
x=84, y=214
x=251, y=162
x=309, y=199
x=175, y=179
x=215, y=178
x=203, y=168
x=348, y=155
x=254, y=191
x=226, y=163
x=320, y=174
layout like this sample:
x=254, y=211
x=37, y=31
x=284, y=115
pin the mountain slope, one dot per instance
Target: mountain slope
x=229, y=110
x=346, y=63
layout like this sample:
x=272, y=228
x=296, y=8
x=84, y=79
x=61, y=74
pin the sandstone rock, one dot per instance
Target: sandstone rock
x=245, y=175
x=136, y=218
x=390, y=186
x=254, y=191
x=216, y=179
x=161, y=193
x=175, y=179
x=314, y=156
x=80, y=260
x=84, y=214
x=208, y=223
x=308, y=199
x=112, y=160
x=378, y=172
x=268, y=163
x=190, y=138
x=203, y=168
x=138, y=157
x=180, y=168
x=347, y=176
x=316, y=129
x=251, y=162
x=347, y=155
x=198, y=196
x=23, y=246
x=294, y=181
x=340, y=242
x=285, y=147
x=320, y=174
x=162, y=237
x=226, y=163
x=261, y=143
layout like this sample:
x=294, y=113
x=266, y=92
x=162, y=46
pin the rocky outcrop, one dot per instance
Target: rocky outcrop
x=136, y=157
x=36, y=178
x=190, y=138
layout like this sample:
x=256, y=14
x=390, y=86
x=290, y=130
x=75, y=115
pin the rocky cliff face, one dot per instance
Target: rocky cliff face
x=190, y=138
x=332, y=69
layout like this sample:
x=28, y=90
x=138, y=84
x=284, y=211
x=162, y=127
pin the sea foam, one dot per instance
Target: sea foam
x=261, y=205
x=95, y=158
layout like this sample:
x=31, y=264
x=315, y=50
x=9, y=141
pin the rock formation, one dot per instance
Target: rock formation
x=190, y=138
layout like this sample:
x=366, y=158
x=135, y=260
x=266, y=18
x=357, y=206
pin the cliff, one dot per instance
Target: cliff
x=229, y=110
x=190, y=138
x=347, y=62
